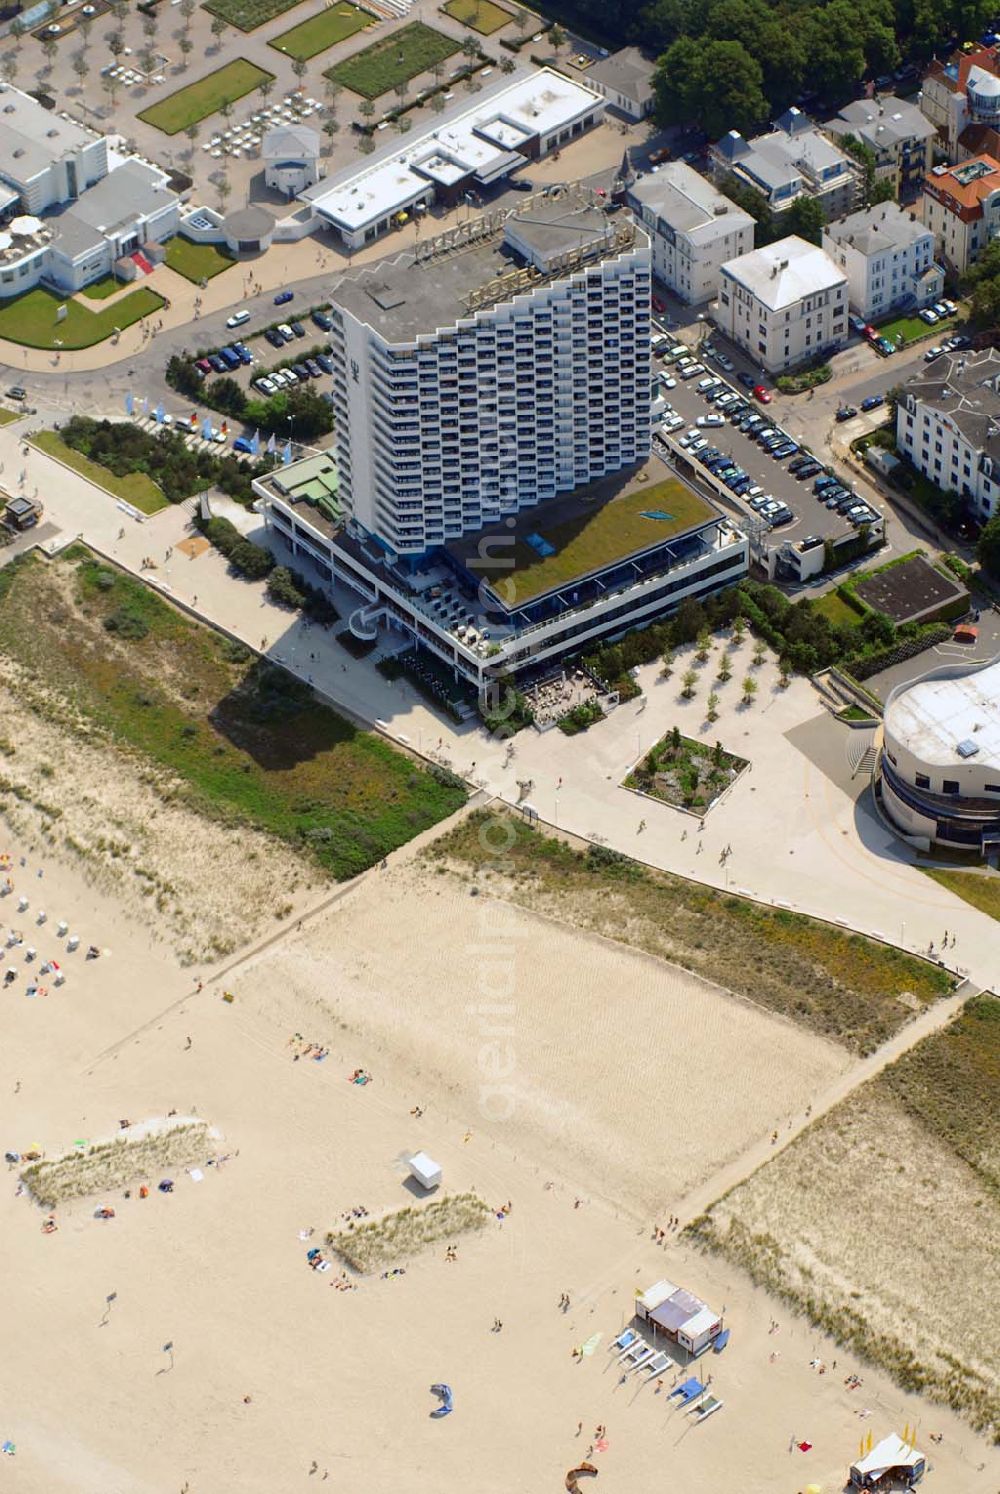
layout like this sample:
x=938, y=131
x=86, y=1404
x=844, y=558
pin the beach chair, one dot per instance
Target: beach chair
x=658, y=1365
x=624, y=1341
x=643, y=1360
x=638, y=1351
x=702, y=1412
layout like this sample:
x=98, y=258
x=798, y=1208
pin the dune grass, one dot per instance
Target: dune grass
x=237, y=738
x=109, y=1166
x=841, y=985
x=383, y=1242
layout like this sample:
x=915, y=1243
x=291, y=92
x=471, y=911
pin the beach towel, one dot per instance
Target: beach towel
x=196, y=1175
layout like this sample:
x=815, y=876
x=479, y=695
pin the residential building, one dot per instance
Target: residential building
x=963, y=91
x=626, y=81
x=887, y=255
x=470, y=148
x=937, y=778
x=489, y=405
x=785, y=304
x=948, y=426
x=962, y=209
x=291, y=157
x=898, y=133
x=795, y=160
x=693, y=229
x=71, y=210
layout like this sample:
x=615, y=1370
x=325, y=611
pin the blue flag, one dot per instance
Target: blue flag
x=145, y=405
x=286, y=455
x=129, y=403
x=255, y=443
x=159, y=413
x=206, y=429
x=272, y=445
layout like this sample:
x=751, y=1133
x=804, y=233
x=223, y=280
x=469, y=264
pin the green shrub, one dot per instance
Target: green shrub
x=126, y=623
x=282, y=589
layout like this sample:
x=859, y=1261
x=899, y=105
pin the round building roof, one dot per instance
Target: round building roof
x=949, y=717
x=248, y=223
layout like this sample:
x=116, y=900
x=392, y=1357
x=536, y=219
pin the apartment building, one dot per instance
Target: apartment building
x=795, y=160
x=692, y=227
x=961, y=207
x=785, y=304
x=898, y=133
x=948, y=426
x=962, y=91
x=492, y=403
x=887, y=255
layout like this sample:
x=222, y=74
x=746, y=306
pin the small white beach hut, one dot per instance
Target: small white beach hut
x=426, y=1171
x=892, y=1458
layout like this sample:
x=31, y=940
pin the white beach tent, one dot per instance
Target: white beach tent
x=426, y=1171
x=891, y=1455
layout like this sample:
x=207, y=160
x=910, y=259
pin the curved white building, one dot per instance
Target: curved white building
x=938, y=773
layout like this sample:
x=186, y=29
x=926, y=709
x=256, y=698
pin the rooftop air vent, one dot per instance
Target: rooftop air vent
x=968, y=748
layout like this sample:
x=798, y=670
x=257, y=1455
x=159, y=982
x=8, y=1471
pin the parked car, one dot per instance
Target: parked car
x=932, y=353
x=325, y=362
x=710, y=420
x=883, y=345
x=217, y=363
x=873, y=401
x=940, y=310
x=274, y=337
x=322, y=321
x=521, y=184
x=691, y=370
x=846, y=412
x=928, y=316
x=301, y=371
x=266, y=385
x=230, y=357
x=657, y=157
x=762, y=393
x=708, y=383
x=784, y=449
x=950, y=307
x=202, y=365
x=298, y=329
x=283, y=298
x=315, y=372
x=857, y=324
x=667, y=380
x=746, y=379
x=243, y=445
x=657, y=302
x=286, y=332
x=238, y=318
x=809, y=470
x=245, y=355
x=724, y=362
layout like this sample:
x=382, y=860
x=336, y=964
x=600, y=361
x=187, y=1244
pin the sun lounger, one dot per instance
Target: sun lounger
x=639, y=1350
x=658, y=1365
x=710, y=1404
x=624, y=1341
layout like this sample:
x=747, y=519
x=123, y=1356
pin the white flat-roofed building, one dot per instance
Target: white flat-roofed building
x=46, y=158
x=468, y=148
x=693, y=229
x=938, y=774
x=887, y=254
x=785, y=304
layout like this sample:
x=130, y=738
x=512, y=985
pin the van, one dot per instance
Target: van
x=238, y=318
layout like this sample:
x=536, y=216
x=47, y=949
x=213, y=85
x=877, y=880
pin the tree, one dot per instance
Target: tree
x=187, y=9
x=675, y=739
x=835, y=46
x=667, y=660
x=299, y=66
x=49, y=48
x=785, y=671
x=186, y=46
x=749, y=689
x=80, y=65
x=759, y=653
x=330, y=128
x=219, y=24
x=403, y=124
x=192, y=135
x=689, y=679
x=437, y=103
x=507, y=65
x=149, y=25
x=332, y=90
x=805, y=218
x=266, y=88
x=116, y=44
x=470, y=47
x=147, y=60
x=557, y=38
x=754, y=203
x=739, y=627
x=725, y=672
x=520, y=18
x=883, y=191
x=704, y=641
x=713, y=707
x=111, y=85
x=988, y=547
x=223, y=187
x=8, y=67
x=715, y=84
x=17, y=30
x=366, y=144
x=399, y=89
x=366, y=109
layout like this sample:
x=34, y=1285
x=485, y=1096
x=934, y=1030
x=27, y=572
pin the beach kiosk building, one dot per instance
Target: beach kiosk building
x=679, y=1316
x=892, y=1460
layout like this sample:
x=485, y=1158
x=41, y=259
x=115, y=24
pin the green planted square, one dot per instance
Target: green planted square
x=394, y=59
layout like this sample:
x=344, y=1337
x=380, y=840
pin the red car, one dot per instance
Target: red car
x=871, y=333
x=658, y=306
x=762, y=393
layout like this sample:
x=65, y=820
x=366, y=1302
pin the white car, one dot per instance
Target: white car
x=689, y=436
x=708, y=384
x=265, y=384
x=668, y=381
x=238, y=318
x=706, y=421
x=673, y=423
x=928, y=316
x=724, y=362
x=286, y=332
x=698, y=444
x=950, y=307
x=692, y=370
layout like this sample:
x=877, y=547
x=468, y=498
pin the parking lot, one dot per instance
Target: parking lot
x=810, y=514
x=305, y=346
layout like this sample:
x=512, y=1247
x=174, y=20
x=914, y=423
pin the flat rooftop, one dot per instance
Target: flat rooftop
x=476, y=139
x=404, y=297
x=575, y=535
x=934, y=716
x=31, y=137
x=910, y=590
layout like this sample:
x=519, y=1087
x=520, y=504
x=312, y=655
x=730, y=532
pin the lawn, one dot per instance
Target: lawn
x=977, y=888
x=841, y=985
x=247, y=15
x=207, y=96
x=479, y=15
x=135, y=487
x=333, y=25
x=394, y=59
x=31, y=318
x=101, y=289
x=197, y=262
x=836, y=611
x=580, y=537
x=912, y=329
x=244, y=741
x=7, y=417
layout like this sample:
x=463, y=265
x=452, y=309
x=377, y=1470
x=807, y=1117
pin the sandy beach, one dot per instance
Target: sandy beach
x=270, y=1369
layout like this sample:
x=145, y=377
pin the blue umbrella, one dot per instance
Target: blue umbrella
x=444, y=1395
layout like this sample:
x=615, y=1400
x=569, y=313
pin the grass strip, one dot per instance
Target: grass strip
x=135, y=487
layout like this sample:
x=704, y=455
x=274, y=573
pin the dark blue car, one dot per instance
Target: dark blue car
x=283, y=297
